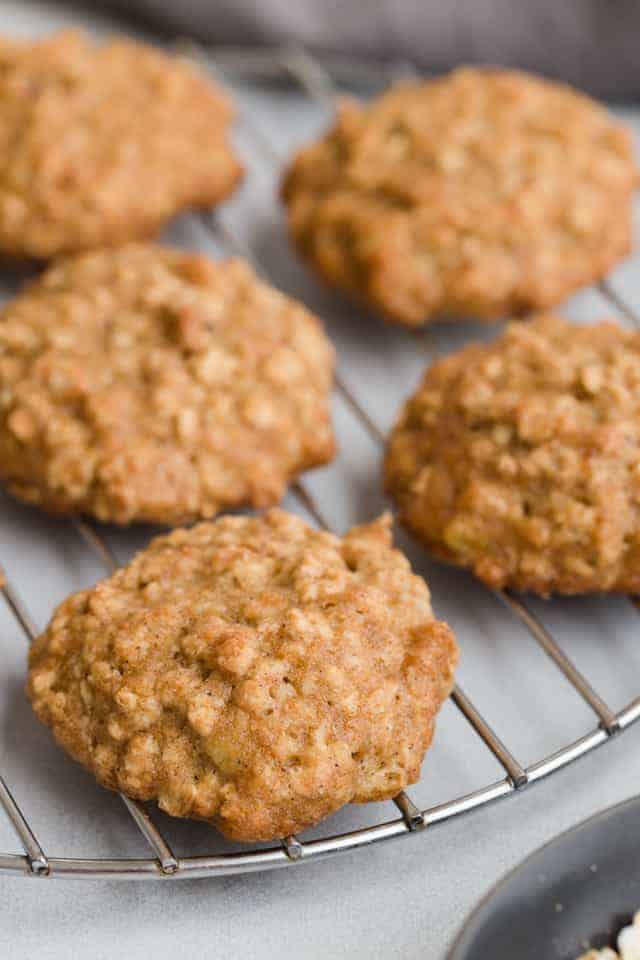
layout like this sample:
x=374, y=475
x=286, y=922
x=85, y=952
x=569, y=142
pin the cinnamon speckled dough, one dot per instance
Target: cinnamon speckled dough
x=253, y=672
x=103, y=143
x=521, y=459
x=484, y=193
x=147, y=384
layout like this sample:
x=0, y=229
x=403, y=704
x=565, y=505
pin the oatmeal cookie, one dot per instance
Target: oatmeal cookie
x=521, y=459
x=484, y=193
x=253, y=672
x=103, y=143
x=146, y=384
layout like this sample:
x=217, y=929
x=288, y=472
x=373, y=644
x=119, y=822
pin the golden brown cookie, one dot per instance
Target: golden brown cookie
x=521, y=459
x=103, y=143
x=253, y=672
x=146, y=384
x=484, y=193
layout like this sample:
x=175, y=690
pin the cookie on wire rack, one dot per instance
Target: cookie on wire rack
x=521, y=459
x=253, y=672
x=146, y=384
x=484, y=193
x=103, y=143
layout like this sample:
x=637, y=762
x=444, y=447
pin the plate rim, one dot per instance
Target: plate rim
x=464, y=938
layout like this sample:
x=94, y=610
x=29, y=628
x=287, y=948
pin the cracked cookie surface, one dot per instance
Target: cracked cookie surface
x=253, y=672
x=146, y=384
x=521, y=459
x=485, y=193
x=103, y=143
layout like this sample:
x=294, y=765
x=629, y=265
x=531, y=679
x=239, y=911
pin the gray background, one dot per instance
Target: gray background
x=404, y=899
x=592, y=43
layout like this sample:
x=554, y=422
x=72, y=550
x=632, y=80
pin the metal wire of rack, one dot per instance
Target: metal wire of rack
x=316, y=81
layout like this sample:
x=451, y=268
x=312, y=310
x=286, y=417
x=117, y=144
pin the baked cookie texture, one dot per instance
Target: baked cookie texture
x=102, y=144
x=253, y=672
x=146, y=384
x=485, y=193
x=521, y=459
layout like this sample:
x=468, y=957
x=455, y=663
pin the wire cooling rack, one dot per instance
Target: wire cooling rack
x=318, y=81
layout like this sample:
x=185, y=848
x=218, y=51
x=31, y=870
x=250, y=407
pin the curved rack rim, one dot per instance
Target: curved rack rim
x=273, y=858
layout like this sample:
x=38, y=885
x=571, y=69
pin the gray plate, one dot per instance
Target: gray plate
x=576, y=891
